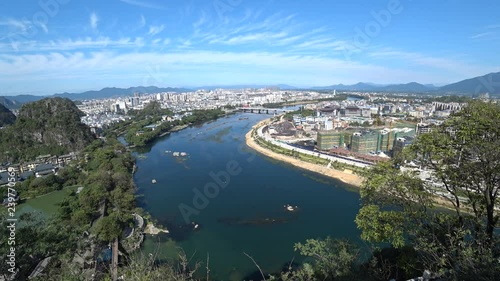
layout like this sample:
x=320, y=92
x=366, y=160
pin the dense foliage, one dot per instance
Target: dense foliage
x=138, y=134
x=103, y=209
x=398, y=207
x=152, y=109
x=302, y=112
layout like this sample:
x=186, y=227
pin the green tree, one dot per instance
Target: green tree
x=333, y=259
x=108, y=228
x=464, y=157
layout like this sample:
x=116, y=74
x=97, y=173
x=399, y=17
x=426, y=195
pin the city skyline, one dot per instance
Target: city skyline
x=76, y=46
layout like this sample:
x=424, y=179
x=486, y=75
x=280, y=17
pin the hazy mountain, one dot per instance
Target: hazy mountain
x=247, y=86
x=9, y=103
x=409, y=87
x=6, y=116
x=489, y=83
x=363, y=86
x=118, y=92
x=17, y=101
x=14, y=102
x=431, y=86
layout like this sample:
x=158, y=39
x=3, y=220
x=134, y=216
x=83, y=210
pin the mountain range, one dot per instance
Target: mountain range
x=409, y=87
x=489, y=83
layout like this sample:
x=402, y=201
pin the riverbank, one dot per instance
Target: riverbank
x=345, y=176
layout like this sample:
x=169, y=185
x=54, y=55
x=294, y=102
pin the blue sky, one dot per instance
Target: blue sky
x=71, y=45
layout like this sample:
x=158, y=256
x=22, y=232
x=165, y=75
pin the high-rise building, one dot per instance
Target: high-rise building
x=365, y=142
x=329, y=139
x=423, y=128
x=400, y=144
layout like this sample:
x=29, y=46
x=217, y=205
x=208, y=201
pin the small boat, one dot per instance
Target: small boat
x=291, y=208
x=153, y=181
x=195, y=225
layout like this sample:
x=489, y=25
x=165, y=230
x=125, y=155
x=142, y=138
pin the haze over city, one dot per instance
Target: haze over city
x=84, y=45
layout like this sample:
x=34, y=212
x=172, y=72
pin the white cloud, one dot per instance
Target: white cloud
x=74, y=44
x=36, y=66
x=244, y=39
x=93, y=20
x=187, y=66
x=142, y=22
x=155, y=29
x=202, y=20
x=481, y=35
x=142, y=4
x=457, y=67
x=17, y=26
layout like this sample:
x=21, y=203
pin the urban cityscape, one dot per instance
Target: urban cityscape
x=249, y=140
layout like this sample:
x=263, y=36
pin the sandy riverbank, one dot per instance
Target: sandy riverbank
x=344, y=176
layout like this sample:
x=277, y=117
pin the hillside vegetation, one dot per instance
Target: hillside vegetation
x=49, y=126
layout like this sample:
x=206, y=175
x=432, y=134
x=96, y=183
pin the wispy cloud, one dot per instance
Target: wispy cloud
x=18, y=26
x=249, y=38
x=482, y=35
x=80, y=44
x=493, y=26
x=93, y=20
x=142, y=23
x=210, y=66
x=155, y=29
x=459, y=67
x=143, y=4
x=273, y=30
x=201, y=21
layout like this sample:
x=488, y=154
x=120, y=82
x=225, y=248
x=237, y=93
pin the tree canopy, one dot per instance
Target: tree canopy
x=463, y=159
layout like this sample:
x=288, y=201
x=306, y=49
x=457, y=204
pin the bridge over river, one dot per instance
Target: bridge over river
x=264, y=110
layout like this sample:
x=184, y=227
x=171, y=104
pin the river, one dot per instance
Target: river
x=241, y=209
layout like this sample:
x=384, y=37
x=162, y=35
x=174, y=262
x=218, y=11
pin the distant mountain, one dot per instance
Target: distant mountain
x=489, y=83
x=9, y=103
x=118, y=92
x=6, y=116
x=247, y=86
x=15, y=102
x=409, y=87
x=431, y=86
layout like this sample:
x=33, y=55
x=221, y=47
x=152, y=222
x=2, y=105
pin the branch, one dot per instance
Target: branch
x=264, y=278
x=208, y=270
